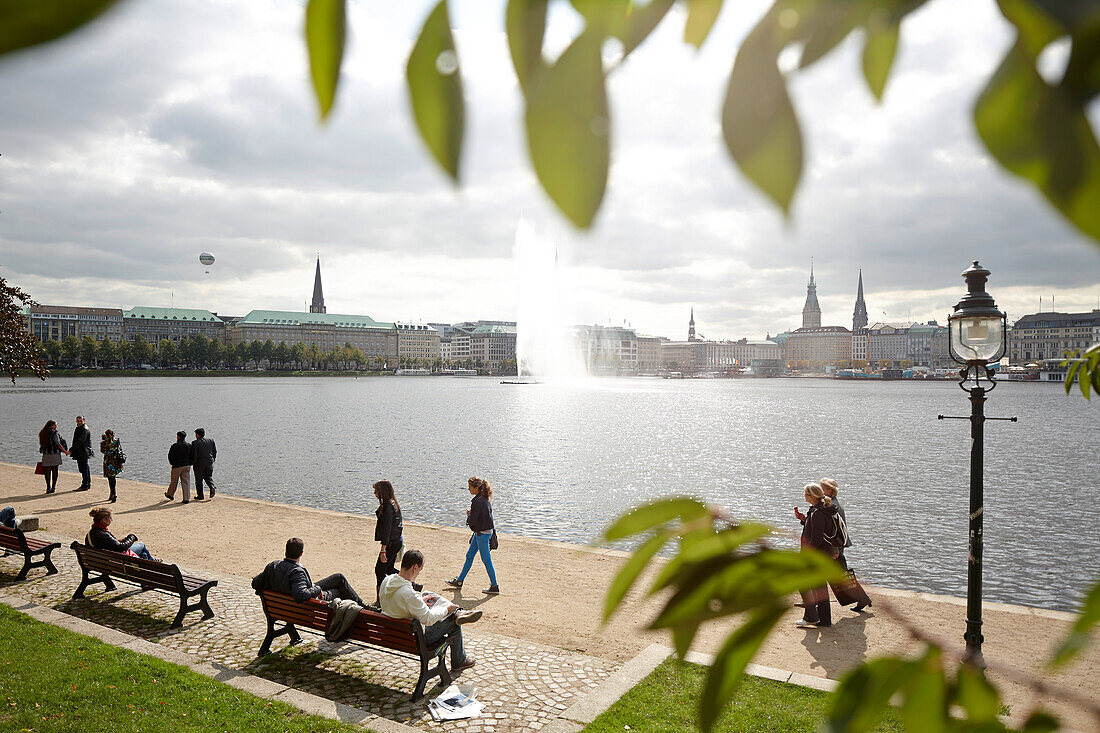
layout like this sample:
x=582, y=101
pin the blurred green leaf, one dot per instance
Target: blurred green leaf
x=925, y=706
x=569, y=130
x=878, y=56
x=1071, y=371
x=729, y=663
x=628, y=574
x=435, y=88
x=326, y=32
x=682, y=637
x=830, y=24
x=648, y=516
x=865, y=692
x=1079, y=635
x=25, y=23
x=640, y=22
x=626, y=20
x=758, y=121
x=705, y=544
x=1040, y=722
x=976, y=696
x=525, y=21
x=701, y=17
x=1040, y=132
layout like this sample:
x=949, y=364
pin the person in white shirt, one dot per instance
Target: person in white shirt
x=439, y=617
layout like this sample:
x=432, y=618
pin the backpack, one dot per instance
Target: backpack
x=836, y=532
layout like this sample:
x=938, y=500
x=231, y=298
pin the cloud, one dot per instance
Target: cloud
x=171, y=128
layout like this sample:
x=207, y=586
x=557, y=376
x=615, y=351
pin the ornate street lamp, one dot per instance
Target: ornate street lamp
x=977, y=333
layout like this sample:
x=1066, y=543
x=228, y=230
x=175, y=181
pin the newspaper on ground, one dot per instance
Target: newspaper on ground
x=456, y=703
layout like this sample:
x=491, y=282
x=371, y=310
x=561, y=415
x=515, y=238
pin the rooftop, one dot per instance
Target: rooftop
x=1058, y=320
x=171, y=314
x=70, y=310
x=480, y=330
x=297, y=318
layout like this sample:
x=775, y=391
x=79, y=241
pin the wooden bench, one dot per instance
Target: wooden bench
x=100, y=566
x=15, y=541
x=402, y=637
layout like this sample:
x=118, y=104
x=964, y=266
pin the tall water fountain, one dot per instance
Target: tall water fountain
x=546, y=348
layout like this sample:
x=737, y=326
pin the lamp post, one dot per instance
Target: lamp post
x=977, y=331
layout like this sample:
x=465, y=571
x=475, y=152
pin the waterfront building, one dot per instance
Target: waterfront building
x=157, y=324
x=318, y=303
x=1040, y=336
x=681, y=356
x=905, y=344
x=58, y=322
x=859, y=313
x=649, y=352
x=612, y=348
x=377, y=340
x=811, y=311
x=859, y=344
x=921, y=344
x=417, y=341
x=888, y=342
x=824, y=347
x=492, y=344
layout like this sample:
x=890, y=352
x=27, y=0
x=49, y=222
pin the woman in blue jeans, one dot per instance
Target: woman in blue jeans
x=479, y=517
x=101, y=538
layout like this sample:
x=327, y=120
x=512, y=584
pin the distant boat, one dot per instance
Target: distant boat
x=459, y=372
x=413, y=373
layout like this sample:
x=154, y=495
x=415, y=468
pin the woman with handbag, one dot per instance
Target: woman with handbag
x=113, y=459
x=51, y=445
x=815, y=601
x=387, y=531
x=479, y=517
x=849, y=590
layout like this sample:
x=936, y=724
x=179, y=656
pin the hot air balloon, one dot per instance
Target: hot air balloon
x=207, y=260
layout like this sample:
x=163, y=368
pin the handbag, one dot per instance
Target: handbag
x=39, y=470
x=493, y=543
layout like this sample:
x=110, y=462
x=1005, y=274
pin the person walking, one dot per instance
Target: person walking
x=81, y=452
x=51, y=445
x=110, y=448
x=849, y=590
x=387, y=532
x=101, y=538
x=179, y=458
x=818, y=611
x=479, y=517
x=203, y=455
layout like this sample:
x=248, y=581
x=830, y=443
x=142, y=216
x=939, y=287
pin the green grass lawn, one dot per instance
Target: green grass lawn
x=668, y=700
x=52, y=679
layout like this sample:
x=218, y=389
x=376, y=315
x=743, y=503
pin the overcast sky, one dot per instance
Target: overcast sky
x=167, y=129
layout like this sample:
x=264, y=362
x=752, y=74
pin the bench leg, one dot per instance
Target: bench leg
x=186, y=608
x=87, y=580
x=418, y=691
x=273, y=634
x=45, y=562
x=48, y=563
x=27, y=565
x=440, y=670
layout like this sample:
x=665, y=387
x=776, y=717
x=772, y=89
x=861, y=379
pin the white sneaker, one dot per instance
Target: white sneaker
x=804, y=624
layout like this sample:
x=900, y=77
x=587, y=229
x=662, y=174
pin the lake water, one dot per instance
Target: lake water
x=564, y=461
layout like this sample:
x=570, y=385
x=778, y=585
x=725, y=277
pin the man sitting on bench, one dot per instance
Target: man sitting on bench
x=439, y=617
x=290, y=576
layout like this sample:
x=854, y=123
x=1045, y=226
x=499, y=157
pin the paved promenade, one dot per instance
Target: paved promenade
x=539, y=647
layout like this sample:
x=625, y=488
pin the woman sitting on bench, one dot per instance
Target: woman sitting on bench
x=101, y=538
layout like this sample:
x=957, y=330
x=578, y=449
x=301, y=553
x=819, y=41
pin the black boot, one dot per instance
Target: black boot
x=824, y=613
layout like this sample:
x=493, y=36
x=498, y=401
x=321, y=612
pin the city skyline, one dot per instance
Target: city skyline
x=125, y=156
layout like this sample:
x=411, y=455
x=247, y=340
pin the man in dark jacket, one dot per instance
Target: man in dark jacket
x=203, y=455
x=81, y=452
x=179, y=458
x=290, y=576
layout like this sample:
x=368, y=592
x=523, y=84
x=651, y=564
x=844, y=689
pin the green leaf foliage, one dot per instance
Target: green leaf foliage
x=647, y=516
x=729, y=664
x=759, y=125
x=704, y=544
x=569, y=130
x=525, y=22
x=435, y=89
x=865, y=692
x=1040, y=722
x=631, y=569
x=1085, y=368
x=702, y=15
x=1079, y=635
x=878, y=55
x=925, y=707
x=326, y=32
x=976, y=696
x=25, y=23
x=1037, y=130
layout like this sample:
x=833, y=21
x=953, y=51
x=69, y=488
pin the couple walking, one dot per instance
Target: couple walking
x=199, y=454
x=825, y=529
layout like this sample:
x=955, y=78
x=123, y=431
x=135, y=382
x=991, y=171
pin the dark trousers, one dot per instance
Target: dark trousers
x=447, y=627
x=337, y=586
x=50, y=474
x=85, y=473
x=204, y=471
x=111, y=483
x=818, y=609
x=381, y=570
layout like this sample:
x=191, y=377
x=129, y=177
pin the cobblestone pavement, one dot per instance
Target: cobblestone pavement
x=524, y=685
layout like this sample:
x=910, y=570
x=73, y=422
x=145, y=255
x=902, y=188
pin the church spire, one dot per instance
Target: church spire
x=691, y=325
x=318, y=304
x=811, y=312
x=859, y=315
